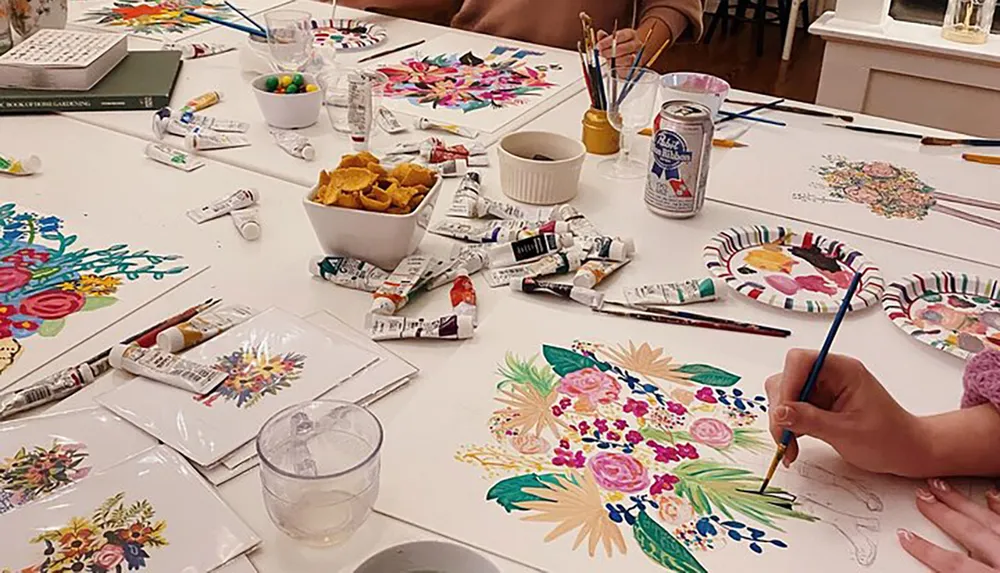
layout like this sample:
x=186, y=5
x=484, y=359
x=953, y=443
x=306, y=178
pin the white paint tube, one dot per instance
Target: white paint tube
x=526, y=250
x=582, y=295
x=429, y=125
x=504, y=210
x=179, y=123
x=166, y=368
x=452, y=168
x=593, y=272
x=238, y=200
x=347, y=272
x=579, y=225
x=203, y=327
x=247, y=222
x=173, y=157
x=480, y=231
x=408, y=148
x=433, y=150
x=195, y=50
x=359, y=109
x=388, y=122
x=394, y=293
x=463, y=297
x=13, y=166
x=203, y=139
x=554, y=264
x=676, y=293
x=450, y=327
x=294, y=144
x=467, y=202
x=434, y=270
x=611, y=249
x=469, y=261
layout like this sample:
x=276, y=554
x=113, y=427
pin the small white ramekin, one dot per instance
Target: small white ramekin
x=538, y=181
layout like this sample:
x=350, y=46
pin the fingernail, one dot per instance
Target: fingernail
x=993, y=495
x=939, y=484
x=904, y=535
x=783, y=414
x=925, y=495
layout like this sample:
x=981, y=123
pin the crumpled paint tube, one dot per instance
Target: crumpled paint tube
x=202, y=139
x=388, y=121
x=582, y=295
x=195, y=50
x=611, y=249
x=482, y=231
x=593, y=272
x=294, y=144
x=426, y=124
x=676, y=293
x=527, y=250
x=469, y=261
x=164, y=367
x=173, y=157
x=394, y=293
x=13, y=166
x=463, y=297
x=450, y=327
x=466, y=202
x=347, y=272
x=247, y=222
x=554, y=264
x=166, y=120
x=579, y=225
x=237, y=200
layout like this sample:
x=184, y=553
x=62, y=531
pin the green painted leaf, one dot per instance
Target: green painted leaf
x=509, y=492
x=931, y=296
x=982, y=299
x=565, y=361
x=97, y=302
x=515, y=370
x=50, y=328
x=663, y=436
x=39, y=274
x=709, y=375
x=657, y=543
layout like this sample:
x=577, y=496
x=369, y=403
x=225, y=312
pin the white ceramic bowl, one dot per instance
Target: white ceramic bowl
x=419, y=556
x=379, y=238
x=707, y=90
x=288, y=111
x=540, y=182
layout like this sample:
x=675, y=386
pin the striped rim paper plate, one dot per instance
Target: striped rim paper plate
x=954, y=312
x=792, y=269
x=347, y=35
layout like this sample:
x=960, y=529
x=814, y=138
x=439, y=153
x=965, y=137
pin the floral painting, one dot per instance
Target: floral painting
x=156, y=17
x=610, y=442
x=116, y=538
x=46, y=277
x=254, y=373
x=32, y=473
x=468, y=82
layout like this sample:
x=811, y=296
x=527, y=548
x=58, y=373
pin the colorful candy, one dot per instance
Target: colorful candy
x=293, y=84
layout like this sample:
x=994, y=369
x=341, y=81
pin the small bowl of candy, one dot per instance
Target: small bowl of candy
x=288, y=101
x=707, y=90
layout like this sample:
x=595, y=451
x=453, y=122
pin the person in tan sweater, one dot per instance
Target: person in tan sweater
x=557, y=22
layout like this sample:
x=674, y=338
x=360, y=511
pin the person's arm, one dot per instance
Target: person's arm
x=682, y=20
x=396, y=4
x=963, y=442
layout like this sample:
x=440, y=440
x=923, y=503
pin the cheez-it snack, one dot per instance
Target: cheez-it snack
x=361, y=182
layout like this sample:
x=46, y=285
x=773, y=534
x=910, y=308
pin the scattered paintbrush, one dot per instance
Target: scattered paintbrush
x=798, y=110
x=657, y=53
x=787, y=435
x=745, y=114
x=245, y=17
x=226, y=23
x=728, y=115
x=945, y=141
x=985, y=159
x=875, y=130
x=681, y=321
x=748, y=326
x=391, y=51
x=727, y=143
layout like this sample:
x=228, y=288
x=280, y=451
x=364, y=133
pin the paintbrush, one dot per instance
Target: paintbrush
x=787, y=435
x=749, y=326
x=799, y=110
x=245, y=17
x=876, y=130
x=985, y=159
x=391, y=51
x=949, y=141
x=745, y=114
x=656, y=55
x=635, y=65
x=728, y=115
x=587, y=78
x=221, y=22
x=677, y=320
x=727, y=143
x=613, y=70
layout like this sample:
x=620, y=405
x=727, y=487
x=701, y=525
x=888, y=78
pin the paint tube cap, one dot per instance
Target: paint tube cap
x=517, y=284
x=566, y=212
x=585, y=278
x=309, y=153
x=586, y=296
x=116, y=357
x=574, y=259
x=314, y=264
x=31, y=164
x=466, y=326
x=621, y=249
x=170, y=340
x=254, y=194
x=565, y=240
x=249, y=230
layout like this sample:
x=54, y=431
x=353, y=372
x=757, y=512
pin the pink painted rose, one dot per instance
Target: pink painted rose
x=591, y=387
x=880, y=169
x=711, y=432
x=13, y=278
x=52, y=304
x=618, y=472
x=860, y=194
x=675, y=510
x=529, y=444
x=109, y=556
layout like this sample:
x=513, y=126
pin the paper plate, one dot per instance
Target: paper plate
x=347, y=35
x=792, y=269
x=954, y=312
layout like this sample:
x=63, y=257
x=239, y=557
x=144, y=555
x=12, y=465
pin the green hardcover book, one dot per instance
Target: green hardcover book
x=143, y=80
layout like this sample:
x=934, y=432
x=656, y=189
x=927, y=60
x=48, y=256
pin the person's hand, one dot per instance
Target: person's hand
x=848, y=409
x=976, y=527
x=628, y=44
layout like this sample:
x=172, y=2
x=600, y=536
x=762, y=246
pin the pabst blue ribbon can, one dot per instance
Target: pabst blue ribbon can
x=678, y=159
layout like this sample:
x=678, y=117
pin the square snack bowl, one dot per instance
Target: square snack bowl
x=379, y=238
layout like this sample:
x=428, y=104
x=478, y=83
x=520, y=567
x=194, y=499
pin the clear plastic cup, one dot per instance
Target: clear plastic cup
x=319, y=469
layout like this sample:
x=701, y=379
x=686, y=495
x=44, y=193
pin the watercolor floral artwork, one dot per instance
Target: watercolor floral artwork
x=46, y=277
x=155, y=17
x=116, y=538
x=254, y=373
x=34, y=472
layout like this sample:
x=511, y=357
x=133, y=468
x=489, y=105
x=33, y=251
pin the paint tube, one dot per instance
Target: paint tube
x=202, y=139
x=238, y=200
x=173, y=157
x=481, y=231
x=611, y=249
x=434, y=150
x=54, y=387
x=504, y=210
x=166, y=368
x=205, y=100
x=452, y=168
x=469, y=261
x=450, y=327
x=166, y=120
x=247, y=222
x=463, y=297
x=593, y=272
x=582, y=295
x=294, y=144
x=394, y=293
x=408, y=148
x=13, y=166
x=554, y=264
x=203, y=327
x=347, y=272
x=359, y=109
x=467, y=202
x=388, y=122
x=579, y=225
x=434, y=269
x=526, y=250
x=198, y=49
x=683, y=292
x=425, y=124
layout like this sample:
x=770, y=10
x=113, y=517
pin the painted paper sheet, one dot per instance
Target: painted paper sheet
x=853, y=182
x=64, y=277
x=158, y=19
x=597, y=444
x=475, y=81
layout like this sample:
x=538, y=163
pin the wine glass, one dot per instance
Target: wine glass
x=289, y=38
x=630, y=107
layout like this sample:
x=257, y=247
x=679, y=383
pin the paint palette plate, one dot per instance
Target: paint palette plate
x=792, y=269
x=347, y=35
x=953, y=312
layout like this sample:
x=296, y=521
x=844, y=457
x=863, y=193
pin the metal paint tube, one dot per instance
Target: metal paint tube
x=452, y=168
x=394, y=293
x=579, y=225
x=203, y=139
x=593, y=272
x=13, y=166
x=466, y=202
x=198, y=49
x=466, y=261
x=554, y=264
x=203, y=327
x=173, y=157
x=463, y=297
x=527, y=250
x=677, y=293
x=166, y=120
x=55, y=387
x=611, y=249
x=504, y=210
x=582, y=295
x=450, y=327
x=203, y=101
x=388, y=122
x=247, y=222
x=434, y=150
x=238, y=200
x=359, y=109
x=434, y=270
x=426, y=124
x=480, y=231
x=294, y=144
x=408, y=148
x=347, y=272
x=166, y=368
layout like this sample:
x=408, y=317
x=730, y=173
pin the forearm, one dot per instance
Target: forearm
x=964, y=442
x=395, y=4
x=659, y=32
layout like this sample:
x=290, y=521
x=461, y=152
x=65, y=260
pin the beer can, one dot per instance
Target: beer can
x=678, y=159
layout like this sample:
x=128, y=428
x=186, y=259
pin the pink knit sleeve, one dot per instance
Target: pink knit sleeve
x=982, y=380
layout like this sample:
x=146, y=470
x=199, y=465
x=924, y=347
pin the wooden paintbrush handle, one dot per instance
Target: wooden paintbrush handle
x=971, y=201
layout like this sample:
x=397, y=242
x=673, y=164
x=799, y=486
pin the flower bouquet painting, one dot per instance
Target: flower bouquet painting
x=32, y=473
x=254, y=372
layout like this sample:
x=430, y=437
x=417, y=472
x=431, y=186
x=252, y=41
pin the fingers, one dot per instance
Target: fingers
x=993, y=501
x=955, y=500
x=972, y=535
x=938, y=559
x=805, y=419
x=628, y=43
x=798, y=364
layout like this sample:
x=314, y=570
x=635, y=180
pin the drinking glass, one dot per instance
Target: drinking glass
x=319, y=469
x=336, y=82
x=289, y=38
x=629, y=112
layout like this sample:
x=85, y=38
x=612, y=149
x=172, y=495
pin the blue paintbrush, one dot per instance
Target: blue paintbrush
x=245, y=17
x=787, y=435
x=728, y=115
x=746, y=113
x=240, y=27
